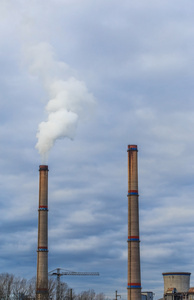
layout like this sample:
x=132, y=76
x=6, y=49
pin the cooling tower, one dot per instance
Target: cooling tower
x=180, y=281
x=134, y=278
x=42, y=251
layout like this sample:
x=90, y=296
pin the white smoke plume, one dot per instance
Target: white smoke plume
x=69, y=99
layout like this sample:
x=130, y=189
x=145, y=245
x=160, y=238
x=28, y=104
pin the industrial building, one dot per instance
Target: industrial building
x=147, y=295
x=177, y=286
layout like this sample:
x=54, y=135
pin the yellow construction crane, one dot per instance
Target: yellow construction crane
x=61, y=272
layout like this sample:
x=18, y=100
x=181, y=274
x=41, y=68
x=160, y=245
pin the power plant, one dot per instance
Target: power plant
x=176, y=285
x=42, y=251
x=134, y=278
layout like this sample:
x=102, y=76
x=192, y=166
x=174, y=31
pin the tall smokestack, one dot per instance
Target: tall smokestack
x=42, y=251
x=134, y=278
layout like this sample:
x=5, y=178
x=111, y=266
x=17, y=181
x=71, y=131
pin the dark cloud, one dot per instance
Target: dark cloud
x=137, y=60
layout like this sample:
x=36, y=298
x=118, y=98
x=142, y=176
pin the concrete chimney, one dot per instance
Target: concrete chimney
x=42, y=251
x=134, y=277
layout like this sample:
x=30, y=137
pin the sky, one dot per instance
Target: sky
x=121, y=73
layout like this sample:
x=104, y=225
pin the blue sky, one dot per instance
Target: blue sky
x=136, y=62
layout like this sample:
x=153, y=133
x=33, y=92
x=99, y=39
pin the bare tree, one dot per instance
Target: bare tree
x=32, y=287
x=64, y=292
x=51, y=288
x=6, y=281
x=70, y=295
x=16, y=288
x=90, y=295
x=86, y=295
x=100, y=296
x=19, y=288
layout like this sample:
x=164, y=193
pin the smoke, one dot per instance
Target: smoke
x=69, y=100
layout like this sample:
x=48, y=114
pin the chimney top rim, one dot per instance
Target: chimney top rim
x=43, y=168
x=176, y=273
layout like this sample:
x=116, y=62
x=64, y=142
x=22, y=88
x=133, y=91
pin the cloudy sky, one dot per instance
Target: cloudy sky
x=106, y=74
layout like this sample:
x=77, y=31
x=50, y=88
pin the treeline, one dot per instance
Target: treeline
x=16, y=288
